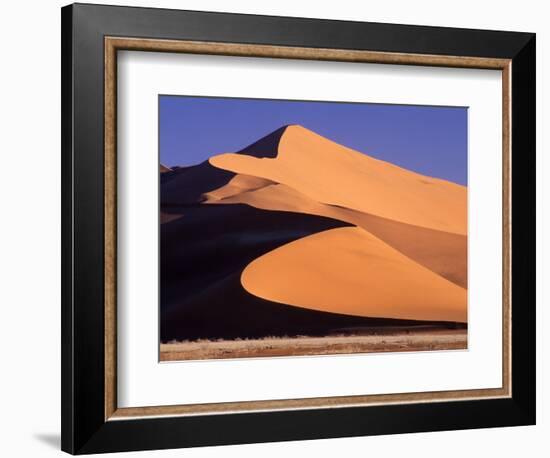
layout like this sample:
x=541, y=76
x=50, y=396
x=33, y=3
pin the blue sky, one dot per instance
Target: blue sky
x=429, y=140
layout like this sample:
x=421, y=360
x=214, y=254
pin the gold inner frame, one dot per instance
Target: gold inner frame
x=112, y=45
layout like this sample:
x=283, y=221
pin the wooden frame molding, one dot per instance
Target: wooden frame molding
x=112, y=45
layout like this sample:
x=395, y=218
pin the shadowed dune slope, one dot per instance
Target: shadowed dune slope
x=349, y=271
x=265, y=147
x=333, y=174
x=442, y=252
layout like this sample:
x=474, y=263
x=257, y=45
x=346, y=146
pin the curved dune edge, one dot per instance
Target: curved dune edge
x=333, y=174
x=441, y=252
x=349, y=271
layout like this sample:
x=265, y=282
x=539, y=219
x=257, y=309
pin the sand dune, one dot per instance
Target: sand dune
x=333, y=174
x=296, y=234
x=349, y=271
x=442, y=252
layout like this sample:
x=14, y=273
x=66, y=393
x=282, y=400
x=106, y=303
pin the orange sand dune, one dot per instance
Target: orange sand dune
x=441, y=252
x=349, y=271
x=276, y=255
x=333, y=174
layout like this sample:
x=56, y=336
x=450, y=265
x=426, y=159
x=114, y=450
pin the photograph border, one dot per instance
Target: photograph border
x=91, y=421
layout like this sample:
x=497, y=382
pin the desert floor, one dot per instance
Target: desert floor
x=397, y=341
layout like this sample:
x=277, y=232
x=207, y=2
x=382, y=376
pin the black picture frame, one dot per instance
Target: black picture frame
x=84, y=427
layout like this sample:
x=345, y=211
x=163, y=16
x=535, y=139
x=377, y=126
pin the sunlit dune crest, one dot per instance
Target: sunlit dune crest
x=330, y=173
x=349, y=271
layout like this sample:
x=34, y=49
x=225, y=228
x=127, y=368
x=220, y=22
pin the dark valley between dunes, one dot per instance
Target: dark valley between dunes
x=297, y=245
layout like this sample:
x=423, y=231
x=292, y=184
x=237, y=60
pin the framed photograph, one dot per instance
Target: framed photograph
x=282, y=228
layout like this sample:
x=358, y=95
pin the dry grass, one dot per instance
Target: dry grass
x=443, y=339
